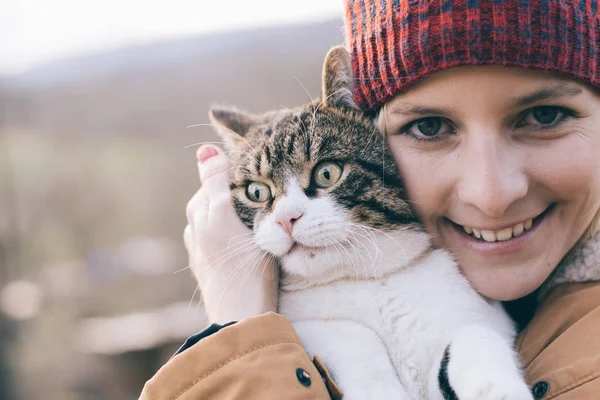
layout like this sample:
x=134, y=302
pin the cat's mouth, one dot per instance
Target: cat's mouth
x=311, y=250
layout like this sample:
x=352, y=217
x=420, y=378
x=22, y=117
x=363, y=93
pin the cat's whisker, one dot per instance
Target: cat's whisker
x=343, y=247
x=393, y=239
x=327, y=98
x=373, y=259
x=232, y=276
x=372, y=238
x=375, y=133
x=230, y=251
x=216, y=265
x=316, y=109
x=343, y=264
x=193, y=296
x=250, y=271
x=237, y=244
x=219, y=255
x=304, y=127
x=227, y=146
x=251, y=267
x=239, y=236
x=201, y=143
x=272, y=263
x=236, y=272
x=303, y=87
x=222, y=129
x=373, y=264
x=358, y=254
x=182, y=269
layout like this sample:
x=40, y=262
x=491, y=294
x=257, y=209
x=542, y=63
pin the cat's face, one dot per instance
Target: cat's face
x=317, y=184
x=317, y=188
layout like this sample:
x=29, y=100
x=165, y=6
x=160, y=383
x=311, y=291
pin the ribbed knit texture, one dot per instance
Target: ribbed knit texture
x=395, y=42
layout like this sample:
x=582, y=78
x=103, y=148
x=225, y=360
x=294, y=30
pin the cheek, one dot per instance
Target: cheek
x=427, y=182
x=570, y=170
x=269, y=236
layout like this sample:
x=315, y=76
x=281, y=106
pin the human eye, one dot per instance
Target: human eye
x=428, y=129
x=544, y=117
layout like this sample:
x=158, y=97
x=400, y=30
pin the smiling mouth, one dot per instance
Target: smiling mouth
x=505, y=234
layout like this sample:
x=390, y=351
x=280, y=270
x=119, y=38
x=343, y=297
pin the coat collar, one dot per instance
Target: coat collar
x=581, y=264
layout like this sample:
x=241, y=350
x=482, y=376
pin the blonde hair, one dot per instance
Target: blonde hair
x=381, y=119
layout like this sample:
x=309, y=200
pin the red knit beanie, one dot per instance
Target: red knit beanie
x=395, y=42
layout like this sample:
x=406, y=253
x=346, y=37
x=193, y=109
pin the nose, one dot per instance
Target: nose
x=492, y=175
x=287, y=217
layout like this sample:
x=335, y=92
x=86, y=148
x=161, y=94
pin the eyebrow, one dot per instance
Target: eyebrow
x=407, y=109
x=555, y=91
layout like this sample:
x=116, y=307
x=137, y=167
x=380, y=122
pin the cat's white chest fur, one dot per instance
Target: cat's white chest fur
x=404, y=319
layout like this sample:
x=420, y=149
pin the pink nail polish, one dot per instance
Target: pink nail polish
x=206, y=152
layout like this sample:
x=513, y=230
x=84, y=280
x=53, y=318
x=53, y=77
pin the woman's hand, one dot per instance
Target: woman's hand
x=235, y=283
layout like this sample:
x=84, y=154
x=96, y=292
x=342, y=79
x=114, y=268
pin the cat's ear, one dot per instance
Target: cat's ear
x=231, y=124
x=338, y=82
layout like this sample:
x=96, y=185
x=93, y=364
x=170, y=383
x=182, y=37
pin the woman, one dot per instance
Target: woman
x=492, y=112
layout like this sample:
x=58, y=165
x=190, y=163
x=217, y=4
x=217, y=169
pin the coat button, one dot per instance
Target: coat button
x=540, y=389
x=303, y=377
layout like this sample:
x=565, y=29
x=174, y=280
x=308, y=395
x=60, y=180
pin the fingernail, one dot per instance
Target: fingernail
x=206, y=152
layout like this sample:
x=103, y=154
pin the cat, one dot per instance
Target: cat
x=390, y=316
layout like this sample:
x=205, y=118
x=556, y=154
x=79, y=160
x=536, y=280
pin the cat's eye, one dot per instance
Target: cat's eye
x=258, y=192
x=327, y=174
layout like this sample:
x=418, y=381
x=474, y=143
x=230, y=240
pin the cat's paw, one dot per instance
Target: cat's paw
x=481, y=365
x=489, y=384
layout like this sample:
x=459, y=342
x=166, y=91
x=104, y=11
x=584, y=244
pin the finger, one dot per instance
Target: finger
x=213, y=167
x=195, y=210
x=188, y=240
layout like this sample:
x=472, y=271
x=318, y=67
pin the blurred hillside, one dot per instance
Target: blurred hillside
x=94, y=179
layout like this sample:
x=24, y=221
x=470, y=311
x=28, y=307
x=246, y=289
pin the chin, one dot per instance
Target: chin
x=508, y=284
x=315, y=262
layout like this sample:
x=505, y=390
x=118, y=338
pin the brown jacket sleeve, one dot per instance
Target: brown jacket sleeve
x=259, y=358
x=560, y=347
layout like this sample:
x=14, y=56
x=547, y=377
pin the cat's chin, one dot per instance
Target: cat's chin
x=312, y=262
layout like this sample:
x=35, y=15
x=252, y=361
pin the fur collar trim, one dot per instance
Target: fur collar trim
x=582, y=264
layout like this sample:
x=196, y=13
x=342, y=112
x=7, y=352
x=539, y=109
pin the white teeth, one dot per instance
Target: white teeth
x=504, y=234
x=518, y=229
x=488, y=236
x=501, y=235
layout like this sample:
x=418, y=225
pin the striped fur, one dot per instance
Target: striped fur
x=291, y=142
x=360, y=280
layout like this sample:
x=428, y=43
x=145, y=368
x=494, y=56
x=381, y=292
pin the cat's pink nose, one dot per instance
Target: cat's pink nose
x=287, y=219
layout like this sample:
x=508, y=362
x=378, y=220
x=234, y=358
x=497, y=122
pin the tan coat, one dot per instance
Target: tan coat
x=261, y=358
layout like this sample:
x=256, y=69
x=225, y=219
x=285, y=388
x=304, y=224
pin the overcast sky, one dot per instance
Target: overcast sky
x=33, y=32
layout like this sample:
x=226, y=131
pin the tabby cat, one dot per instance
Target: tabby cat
x=391, y=317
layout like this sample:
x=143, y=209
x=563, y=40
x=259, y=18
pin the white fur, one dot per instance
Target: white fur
x=381, y=308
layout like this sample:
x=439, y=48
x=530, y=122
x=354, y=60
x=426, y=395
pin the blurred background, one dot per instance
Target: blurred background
x=97, y=165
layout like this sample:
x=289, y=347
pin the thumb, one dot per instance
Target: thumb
x=213, y=166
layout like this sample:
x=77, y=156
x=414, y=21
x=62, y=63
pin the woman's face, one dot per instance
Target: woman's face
x=503, y=167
